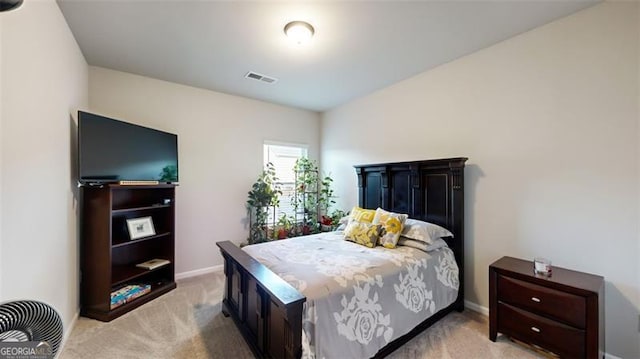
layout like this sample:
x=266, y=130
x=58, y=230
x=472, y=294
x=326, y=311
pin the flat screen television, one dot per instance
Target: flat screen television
x=111, y=151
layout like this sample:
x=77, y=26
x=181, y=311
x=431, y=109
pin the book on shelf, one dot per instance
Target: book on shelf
x=128, y=293
x=153, y=263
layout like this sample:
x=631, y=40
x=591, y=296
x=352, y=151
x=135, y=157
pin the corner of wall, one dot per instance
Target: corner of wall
x=67, y=333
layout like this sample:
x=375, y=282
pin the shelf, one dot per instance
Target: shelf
x=122, y=274
x=156, y=291
x=120, y=243
x=144, y=208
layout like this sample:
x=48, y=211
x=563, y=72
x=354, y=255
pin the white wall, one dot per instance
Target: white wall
x=220, y=140
x=1, y=99
x=549, y=121
x=638, y=146
x=44, y=79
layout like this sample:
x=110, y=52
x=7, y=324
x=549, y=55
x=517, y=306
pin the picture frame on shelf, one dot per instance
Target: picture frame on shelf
x=140, y=227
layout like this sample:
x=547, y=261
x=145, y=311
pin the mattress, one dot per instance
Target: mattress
x=359, y=299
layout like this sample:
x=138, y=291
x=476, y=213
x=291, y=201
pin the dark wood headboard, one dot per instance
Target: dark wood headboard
x=430, y=190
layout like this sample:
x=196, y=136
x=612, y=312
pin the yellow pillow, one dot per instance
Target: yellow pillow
x=362, y=215
x=362, y=233
x=392, y=225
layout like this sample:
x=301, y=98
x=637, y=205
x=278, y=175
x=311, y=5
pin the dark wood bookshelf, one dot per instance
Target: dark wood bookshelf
x=108, y=257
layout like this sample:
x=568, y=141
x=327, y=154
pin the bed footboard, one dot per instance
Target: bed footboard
x=266, y=309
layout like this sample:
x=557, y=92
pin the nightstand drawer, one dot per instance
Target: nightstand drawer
x=545, y=301
x=557, y=337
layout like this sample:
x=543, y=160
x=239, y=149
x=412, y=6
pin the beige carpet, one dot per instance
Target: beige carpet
x=187, y=323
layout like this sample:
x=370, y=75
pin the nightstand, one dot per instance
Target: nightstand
x=563, y=313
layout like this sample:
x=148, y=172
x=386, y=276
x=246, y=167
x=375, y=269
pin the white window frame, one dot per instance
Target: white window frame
x=287, y=187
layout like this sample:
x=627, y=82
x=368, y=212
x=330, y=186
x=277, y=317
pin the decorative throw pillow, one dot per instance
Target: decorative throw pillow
x=424, y=231
x=342, y=224
x=362, y=233
x=362, y=215
x=392, y=224
x=437, y=244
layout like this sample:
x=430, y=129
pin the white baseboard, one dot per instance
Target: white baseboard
x=476, y=307
x=610, y=356
x=67, y=332
x=197, y=272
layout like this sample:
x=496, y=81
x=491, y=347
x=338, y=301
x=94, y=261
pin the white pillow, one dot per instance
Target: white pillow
x=342, y=223
x=424, y=231
x=437, y=244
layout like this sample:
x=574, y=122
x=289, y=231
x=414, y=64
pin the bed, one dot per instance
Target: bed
x=265, y=283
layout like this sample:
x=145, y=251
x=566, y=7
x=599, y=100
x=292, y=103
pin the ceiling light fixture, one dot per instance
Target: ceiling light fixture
x=299, y=32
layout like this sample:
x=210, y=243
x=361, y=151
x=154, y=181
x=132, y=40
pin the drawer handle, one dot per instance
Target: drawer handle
x=535, y=299
x=535, y=329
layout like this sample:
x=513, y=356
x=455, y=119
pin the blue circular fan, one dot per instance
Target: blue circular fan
x=28, y=320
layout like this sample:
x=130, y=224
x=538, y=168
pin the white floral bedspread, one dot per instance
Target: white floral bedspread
x=358, y=298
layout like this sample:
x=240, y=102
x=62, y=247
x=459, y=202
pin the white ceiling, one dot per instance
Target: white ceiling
x=358, y=47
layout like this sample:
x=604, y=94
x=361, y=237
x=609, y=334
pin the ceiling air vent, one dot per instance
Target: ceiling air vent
x=259, y=77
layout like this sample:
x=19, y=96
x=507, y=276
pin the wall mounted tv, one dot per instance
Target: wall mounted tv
x=112, y=151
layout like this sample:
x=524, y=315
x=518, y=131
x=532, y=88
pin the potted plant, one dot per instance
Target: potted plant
x=325, y=201
x=306, y=229
x=332, y=221
x=313, y=199
x=305, y=200
x=285, y=224
x=263, y=196
x=326, y=223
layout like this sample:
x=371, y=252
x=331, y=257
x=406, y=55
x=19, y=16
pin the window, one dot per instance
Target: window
x=284, y=157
